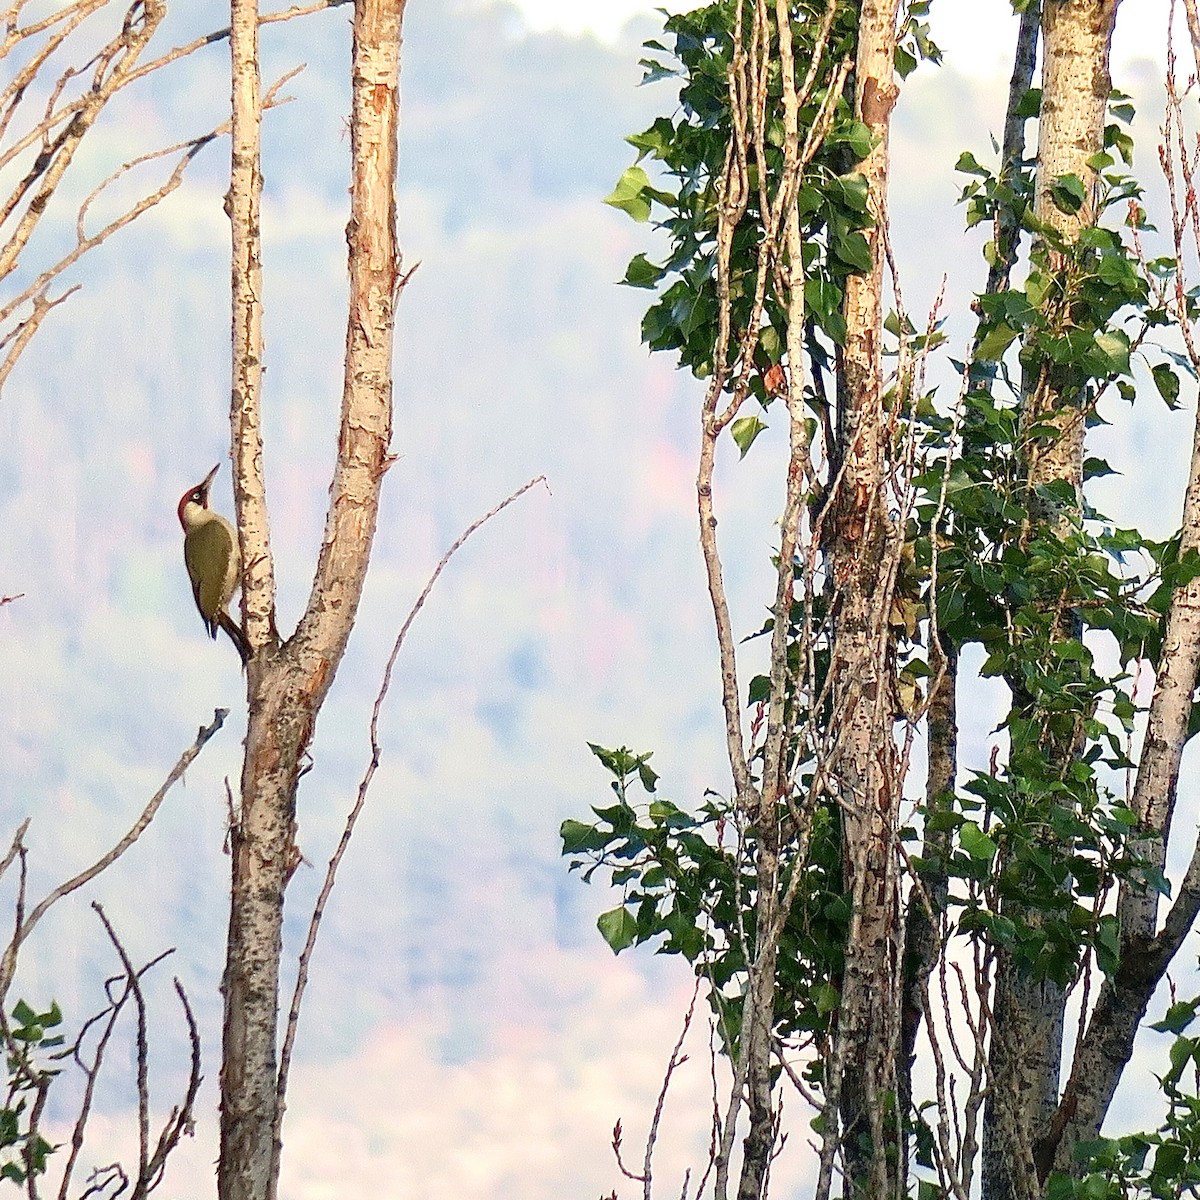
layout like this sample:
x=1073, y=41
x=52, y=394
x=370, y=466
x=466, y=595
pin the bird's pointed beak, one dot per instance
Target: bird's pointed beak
x=206, y=483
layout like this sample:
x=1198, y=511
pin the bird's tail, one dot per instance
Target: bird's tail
x=236, y=636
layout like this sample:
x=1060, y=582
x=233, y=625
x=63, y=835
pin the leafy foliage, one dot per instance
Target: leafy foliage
x=1027, y=853
x=31, y=1058
x=1163, y=1164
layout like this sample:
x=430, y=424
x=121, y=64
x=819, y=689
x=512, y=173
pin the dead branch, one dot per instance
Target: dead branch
x=26, y=925
x=120, y=989
x=289, y=1039
x=677, y=1059
x=36, y=291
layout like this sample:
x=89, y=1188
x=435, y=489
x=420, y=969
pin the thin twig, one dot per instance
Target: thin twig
x=26, y=925
x=289, y=1039
x=143, y=1055
x=676, y=1060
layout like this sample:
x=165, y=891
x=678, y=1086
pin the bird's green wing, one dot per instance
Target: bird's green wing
x=206, y=551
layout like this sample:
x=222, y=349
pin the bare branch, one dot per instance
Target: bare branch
x=289, y=1039
x=20, y=336
x=676, y=1060
x=26, y=925
x=143, y=1059
x=50, y=166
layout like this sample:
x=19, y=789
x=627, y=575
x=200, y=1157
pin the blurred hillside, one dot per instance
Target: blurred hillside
x=467, y=1034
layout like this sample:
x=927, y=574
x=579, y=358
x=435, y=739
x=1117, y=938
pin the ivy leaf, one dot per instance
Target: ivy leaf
x=618, y=928
x=745, y=430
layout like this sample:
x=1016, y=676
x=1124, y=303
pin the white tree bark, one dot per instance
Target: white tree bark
x=1028, y=1014
x=288, y=681
x=864, y=766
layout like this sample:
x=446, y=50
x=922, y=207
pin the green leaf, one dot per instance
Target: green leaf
x=1114, y=344
x=618, y=928
x=1030, y=104
x=578, y=837
x=1167, y=383
x=851, y=191
x=656, y=140
x=647, y=774
x=858, y=137
x=1096, y=468
x=642, y=273
x=1179, y=1016
x=629, y=195
x=994, y=343
x=618, y=762
x=827, y=998
x=1068, y=193
x=975, y=842
x=968, y=164
x=745, y=430
x=855, y=251
x=822, y=296
x=906, y=62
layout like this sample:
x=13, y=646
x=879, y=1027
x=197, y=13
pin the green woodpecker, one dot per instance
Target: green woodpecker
x=210, y=550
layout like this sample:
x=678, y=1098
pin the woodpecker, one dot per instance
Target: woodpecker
x=210, y=551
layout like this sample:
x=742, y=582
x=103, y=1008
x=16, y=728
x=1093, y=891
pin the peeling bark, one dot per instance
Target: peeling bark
x=865, y=767
x=288, y=682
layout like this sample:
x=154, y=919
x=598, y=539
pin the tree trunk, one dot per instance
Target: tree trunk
x=865, y=766
x=287, y=683
x=1028, y=1013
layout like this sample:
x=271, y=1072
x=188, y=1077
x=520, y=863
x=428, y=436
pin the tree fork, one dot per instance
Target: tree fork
x=288, y=683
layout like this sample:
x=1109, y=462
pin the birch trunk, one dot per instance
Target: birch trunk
x=288, y=682
x=1028, y=1013
x=865, y=767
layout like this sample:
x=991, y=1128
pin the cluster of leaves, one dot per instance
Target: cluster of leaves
x=689, y=150
x=1033, y=848
x=1026, y=572
x=33, y=1051
x=1160, y=1165
x=1081, y=291
x=686, y=879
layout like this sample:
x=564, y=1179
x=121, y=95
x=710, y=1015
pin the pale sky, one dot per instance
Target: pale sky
x=974, y=34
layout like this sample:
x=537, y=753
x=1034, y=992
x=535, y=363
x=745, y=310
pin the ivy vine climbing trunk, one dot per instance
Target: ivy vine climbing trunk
x=1029, y=1003
x=288, y=680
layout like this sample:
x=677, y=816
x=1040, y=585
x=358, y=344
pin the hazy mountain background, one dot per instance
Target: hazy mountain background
x=467, y=1034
